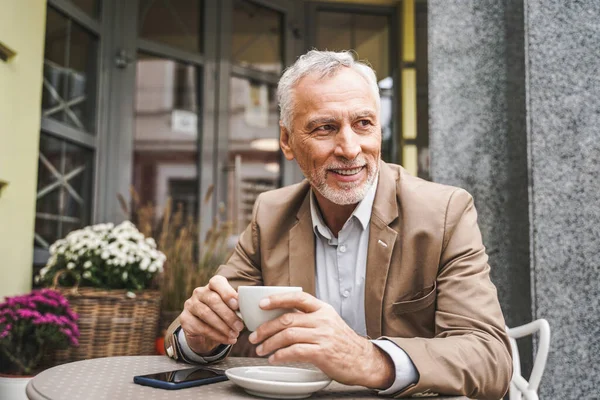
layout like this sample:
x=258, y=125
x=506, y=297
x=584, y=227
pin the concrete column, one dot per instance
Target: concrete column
x=514, y=115
x=478, y=130
x=563, y=113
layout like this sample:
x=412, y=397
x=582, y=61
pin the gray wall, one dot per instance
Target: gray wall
x=514, y=117
x=563, y=96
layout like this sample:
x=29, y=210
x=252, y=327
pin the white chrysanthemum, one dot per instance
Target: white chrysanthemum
x=87, y=264
x=51, y=261
x=145, y=263
x=87, y=274
x=124, y=276
x=105, y=255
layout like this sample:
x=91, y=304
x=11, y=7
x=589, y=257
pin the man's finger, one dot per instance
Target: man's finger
x=220, y=285
x=286, y=338
x=204, y=313
x=286, y=321
x=195, y=328
x=214, y=301
x=302, y=352
x=299, y=300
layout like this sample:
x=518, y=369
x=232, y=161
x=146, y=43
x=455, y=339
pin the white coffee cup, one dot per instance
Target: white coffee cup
x=251, y=313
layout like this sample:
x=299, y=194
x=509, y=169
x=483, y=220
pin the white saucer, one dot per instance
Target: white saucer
x=278, y=382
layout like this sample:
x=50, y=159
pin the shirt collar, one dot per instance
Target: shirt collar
x=362, y=212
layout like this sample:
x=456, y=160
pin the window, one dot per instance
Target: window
x=67, y=148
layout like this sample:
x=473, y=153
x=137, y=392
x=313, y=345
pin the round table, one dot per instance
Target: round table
x=112, y=378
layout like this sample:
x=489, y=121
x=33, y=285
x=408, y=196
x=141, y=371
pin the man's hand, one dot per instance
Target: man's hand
x=318, y=335
x=208, y=318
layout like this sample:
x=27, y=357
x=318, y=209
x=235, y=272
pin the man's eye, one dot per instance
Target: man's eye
x=364, y=123
x=325, y=128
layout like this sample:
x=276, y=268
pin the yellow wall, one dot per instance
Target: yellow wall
x=22, y=25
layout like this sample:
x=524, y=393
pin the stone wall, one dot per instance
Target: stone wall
x=514, y=118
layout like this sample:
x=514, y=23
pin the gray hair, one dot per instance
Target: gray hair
x=322, y=63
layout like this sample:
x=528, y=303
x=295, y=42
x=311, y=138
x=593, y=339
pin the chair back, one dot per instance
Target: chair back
x=519, y=386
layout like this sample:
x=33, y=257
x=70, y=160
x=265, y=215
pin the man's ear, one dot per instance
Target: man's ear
x=284, y=142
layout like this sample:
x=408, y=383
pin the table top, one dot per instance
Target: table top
x=112, y=378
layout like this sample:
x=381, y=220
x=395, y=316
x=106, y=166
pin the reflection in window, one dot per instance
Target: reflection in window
x=253, y=146
x=69, y=71
x=367, y=35
x=176, y=23
x=166, y=133
x=63, y=189
x=257, y=37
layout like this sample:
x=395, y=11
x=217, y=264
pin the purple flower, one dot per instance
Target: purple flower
x=72, y=315
x=45, y=300
x=6, y=331
x=21, y=317
x=27, y=314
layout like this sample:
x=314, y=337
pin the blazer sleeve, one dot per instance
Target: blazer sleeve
x=242, y=268
x=470, y=352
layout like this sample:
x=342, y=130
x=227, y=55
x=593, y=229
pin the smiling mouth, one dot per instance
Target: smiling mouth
x=347, y=172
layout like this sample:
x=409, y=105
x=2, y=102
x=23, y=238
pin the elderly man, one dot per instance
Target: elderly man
x=397, y=295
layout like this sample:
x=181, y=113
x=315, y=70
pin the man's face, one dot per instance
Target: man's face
x=335, y=135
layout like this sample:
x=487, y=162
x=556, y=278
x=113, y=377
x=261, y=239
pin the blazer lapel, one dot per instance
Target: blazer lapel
x=382, y=239
x=302, y=250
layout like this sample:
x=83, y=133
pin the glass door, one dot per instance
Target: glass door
x=167, y=106
x=253, y=154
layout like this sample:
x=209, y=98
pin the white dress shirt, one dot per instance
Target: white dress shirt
x=341, y=265
x=340, y=274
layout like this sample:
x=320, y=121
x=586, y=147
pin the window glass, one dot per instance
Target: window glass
x=253, y=146
x=257, y=37
x=166, y=133
x=367, y=35
x=177, y=23
x=64, y=189
x=90, y=7
x=69, y=73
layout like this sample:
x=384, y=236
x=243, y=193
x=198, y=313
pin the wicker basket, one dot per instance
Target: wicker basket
x=111, y=324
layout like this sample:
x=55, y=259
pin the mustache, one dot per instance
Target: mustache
x=348, y=164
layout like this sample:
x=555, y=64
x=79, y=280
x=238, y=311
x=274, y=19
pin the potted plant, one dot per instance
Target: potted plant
x=103, y=256
x=107, y=272
x=31, y=325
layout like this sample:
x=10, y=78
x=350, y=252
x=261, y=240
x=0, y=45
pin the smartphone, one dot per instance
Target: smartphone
x=182, y=378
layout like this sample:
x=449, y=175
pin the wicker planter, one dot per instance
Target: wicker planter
x=111, y=324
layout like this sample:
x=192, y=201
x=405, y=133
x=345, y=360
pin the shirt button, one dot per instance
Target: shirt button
x=343, y=248
x=346, y=293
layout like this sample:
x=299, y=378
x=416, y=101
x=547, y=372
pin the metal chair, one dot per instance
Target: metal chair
x=519, y=387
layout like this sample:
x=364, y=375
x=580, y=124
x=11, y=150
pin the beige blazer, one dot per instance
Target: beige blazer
x=427, y=282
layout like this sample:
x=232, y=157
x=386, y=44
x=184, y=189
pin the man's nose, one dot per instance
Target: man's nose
x=347, y=143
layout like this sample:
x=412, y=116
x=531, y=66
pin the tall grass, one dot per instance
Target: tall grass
x=190, y=262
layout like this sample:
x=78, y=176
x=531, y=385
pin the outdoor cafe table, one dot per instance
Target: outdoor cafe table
x=112, y=378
